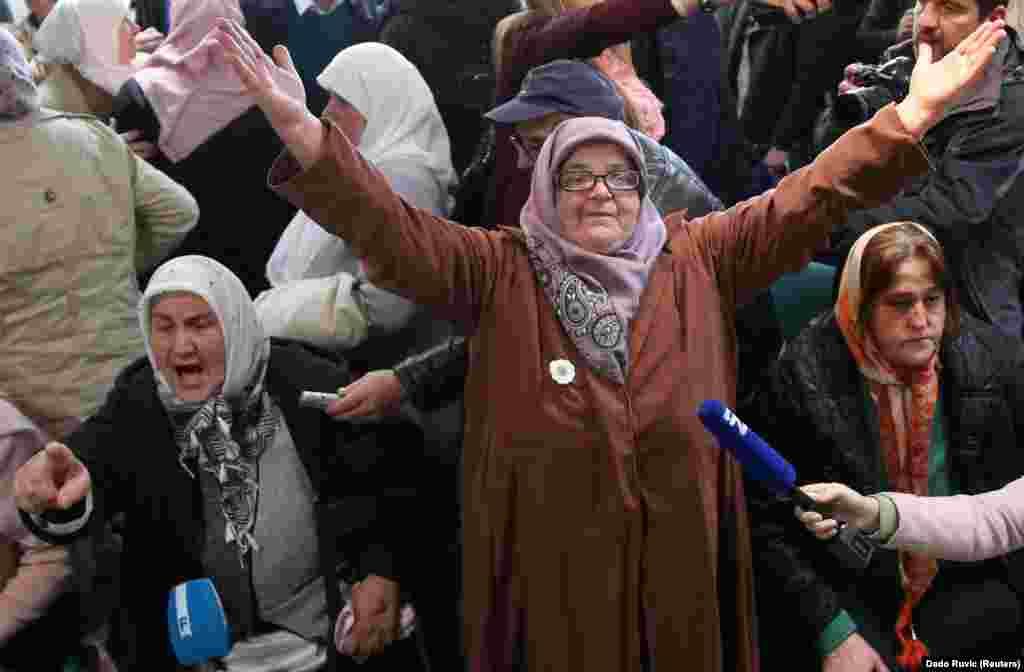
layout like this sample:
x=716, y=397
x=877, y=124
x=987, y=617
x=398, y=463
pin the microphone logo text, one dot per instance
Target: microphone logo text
x=734, y=422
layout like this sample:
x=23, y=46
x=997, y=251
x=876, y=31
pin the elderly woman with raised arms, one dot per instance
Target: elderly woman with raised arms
x=603, y=530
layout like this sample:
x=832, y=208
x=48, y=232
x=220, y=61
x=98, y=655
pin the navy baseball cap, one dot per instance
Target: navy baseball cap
x=572, y=87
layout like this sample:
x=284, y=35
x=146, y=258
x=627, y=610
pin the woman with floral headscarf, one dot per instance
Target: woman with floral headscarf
x=203, y=446
x=602, y=528
x=896, y=390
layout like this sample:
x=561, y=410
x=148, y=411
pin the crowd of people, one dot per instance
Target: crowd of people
x=517, y=244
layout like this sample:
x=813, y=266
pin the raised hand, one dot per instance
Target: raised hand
x=843, y=504
x=934, y=84
x=53, y=479
x=286, y=111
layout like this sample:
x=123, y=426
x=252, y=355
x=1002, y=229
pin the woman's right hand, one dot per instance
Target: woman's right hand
x=376, y=394
x=843, y=503
x=53, y=479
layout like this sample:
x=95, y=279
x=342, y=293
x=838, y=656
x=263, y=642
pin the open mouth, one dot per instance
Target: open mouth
x=189, y=372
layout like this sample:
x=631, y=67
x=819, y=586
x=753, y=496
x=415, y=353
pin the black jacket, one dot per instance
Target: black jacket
x=449, y=42
x=362, y=507
x=822, y=420
x=240, y=218
x=971, y=200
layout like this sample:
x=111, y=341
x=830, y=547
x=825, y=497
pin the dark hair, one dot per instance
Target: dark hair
x=985, y=7
x=883, y=256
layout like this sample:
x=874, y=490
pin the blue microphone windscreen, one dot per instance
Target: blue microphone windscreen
x=196, y=622
x=759, y=460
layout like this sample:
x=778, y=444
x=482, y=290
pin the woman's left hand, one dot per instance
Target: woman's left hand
x=933, y=85
x=377, y=616
x=141, y=148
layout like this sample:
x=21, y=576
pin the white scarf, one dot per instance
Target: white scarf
x=84, y=33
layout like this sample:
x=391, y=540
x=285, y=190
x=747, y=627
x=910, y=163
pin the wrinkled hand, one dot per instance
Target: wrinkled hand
x=142, y=148
x=377, y=616
x=149, y=40
x=53, y=479
x=843, y=504
x=375, y=394
x=256, y=73
x=933, y=85
x=854, y=655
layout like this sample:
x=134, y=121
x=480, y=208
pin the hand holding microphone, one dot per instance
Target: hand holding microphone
x=761, y=463
x=843, y=504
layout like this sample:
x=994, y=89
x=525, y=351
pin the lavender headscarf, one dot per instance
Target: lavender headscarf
x=17, y=89
x=595, y=296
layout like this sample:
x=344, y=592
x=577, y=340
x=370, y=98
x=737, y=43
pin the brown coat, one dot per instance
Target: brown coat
x=557, y=571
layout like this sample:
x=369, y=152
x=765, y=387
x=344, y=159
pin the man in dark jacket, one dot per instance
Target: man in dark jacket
x=971, y=199
x=449, y=42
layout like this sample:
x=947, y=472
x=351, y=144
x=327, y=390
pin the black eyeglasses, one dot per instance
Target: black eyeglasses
x=581, y=180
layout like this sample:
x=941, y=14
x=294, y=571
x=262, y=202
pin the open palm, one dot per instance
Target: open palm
x=257, y=73
x=935, y=84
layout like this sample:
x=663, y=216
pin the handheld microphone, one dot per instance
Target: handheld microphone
x=764, y=465
x=196, y=622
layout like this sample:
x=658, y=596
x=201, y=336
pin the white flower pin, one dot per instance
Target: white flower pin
x=562, y=371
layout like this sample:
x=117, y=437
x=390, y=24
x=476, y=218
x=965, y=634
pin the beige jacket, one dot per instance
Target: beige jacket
x=82, y=216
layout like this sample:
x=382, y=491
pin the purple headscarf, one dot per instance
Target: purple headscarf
x=595, y=296
x=17, y=89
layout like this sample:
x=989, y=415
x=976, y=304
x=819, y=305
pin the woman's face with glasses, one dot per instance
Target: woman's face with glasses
x=598, y=197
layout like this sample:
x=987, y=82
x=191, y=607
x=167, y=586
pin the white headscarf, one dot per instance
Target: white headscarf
x=84, y=33
x=18, y=97
x=405, y=138
x=404, y=130
x=246, y=348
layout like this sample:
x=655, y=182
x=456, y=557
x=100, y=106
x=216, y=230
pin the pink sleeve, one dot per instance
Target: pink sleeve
x=964, y=528
x=15, y=450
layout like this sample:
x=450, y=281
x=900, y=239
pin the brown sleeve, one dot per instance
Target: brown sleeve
x=758, y=240
x=427, y=259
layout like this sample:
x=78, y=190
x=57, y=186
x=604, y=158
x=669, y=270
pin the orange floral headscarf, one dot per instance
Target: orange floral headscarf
x=905, y=399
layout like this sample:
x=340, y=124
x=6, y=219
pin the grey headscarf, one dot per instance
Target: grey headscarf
x=18, y=97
